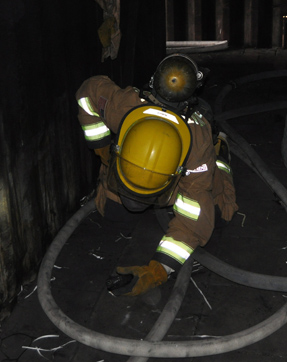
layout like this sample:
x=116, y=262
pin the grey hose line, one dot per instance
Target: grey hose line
x=218, y=107
x=171, y=308
x=129, y=347
x=155, y=349
x=237, y=151
x=258, y=163
x=60, y=240
x=230, y=272
x=242, y=277
x=141, y=348
x=258, y=108
x=260, y=76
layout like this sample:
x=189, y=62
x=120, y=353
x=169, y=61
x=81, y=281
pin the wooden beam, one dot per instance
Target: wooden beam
x=251, y=23
x=222, y=13
x=169, y=19
x=276, y=24
x=194, y=28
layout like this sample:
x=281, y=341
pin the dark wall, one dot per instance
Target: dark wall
x=265, y=13
x=208, y=19
x=48, y=48
x=142, y=43
x=179, y=13
x=236, y=23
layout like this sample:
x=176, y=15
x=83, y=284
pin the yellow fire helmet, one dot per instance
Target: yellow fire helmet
x=149, y=154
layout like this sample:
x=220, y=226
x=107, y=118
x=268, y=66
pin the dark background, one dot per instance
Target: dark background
x=48, y=48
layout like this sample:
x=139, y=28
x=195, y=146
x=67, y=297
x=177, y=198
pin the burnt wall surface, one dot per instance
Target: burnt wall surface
x=48, y=48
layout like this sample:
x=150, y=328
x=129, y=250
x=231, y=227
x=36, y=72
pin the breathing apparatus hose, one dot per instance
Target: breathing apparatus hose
x=151, y=347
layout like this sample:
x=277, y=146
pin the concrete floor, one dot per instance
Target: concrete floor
x=255, y=240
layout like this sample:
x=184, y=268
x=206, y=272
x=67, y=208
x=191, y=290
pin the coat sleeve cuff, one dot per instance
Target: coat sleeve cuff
x=167, y=260
x=99, y=143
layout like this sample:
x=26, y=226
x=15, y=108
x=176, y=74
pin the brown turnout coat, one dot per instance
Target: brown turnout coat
x=205, y=183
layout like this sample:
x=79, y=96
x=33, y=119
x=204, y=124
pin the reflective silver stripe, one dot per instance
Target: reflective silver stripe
x=87, y=107
x=202, y=168
x=223, y=166
x=162, y=114
x=96, y=131
x=187, y=207
x=197, y=117
x=175, y=249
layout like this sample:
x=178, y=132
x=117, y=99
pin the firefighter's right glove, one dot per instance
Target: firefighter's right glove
x=145, y=278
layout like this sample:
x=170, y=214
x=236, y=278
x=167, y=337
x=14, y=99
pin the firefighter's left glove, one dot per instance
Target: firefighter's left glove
x=145, y=278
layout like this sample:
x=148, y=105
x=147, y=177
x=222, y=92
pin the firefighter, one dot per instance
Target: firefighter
x=157, y=148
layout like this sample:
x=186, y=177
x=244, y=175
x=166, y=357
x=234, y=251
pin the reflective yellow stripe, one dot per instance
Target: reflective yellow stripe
x=87, y=107
x=223, y=166
x=96, y=131
x=187, y=207
x=175, y=249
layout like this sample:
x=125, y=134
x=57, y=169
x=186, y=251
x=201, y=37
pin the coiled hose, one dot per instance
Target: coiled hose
x=151, y=347
x=130, y=347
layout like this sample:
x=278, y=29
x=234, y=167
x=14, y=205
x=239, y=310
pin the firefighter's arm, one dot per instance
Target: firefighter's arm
x=97, y=133
x=192, y=226
x=102, y=105
x=193, y=221
x=104, y=154
x=194, y=214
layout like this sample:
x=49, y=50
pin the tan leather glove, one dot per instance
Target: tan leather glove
x=145, y=278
